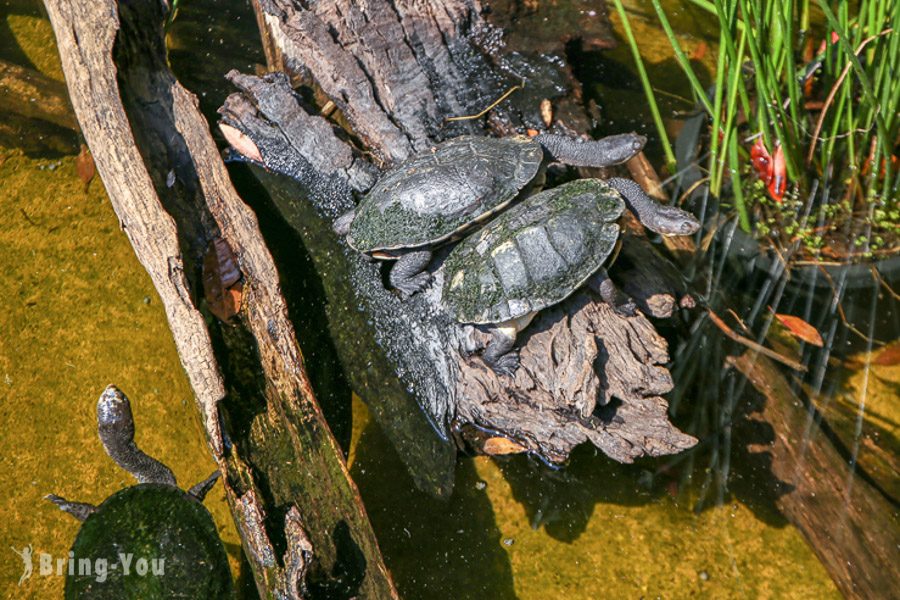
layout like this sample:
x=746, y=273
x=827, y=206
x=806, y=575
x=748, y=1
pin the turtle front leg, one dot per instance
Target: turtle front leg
x=605, y=152
x=407, y=275
x=79, y=510
x=661, y=218
x=199, y=490
x=601, y=283
x=499, y=354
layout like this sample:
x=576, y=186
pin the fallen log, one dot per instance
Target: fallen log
x=575, y=359
x=172, y=194
x=850, y=525
x=31, y=94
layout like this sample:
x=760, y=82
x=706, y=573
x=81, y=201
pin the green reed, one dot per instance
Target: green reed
x=844, y=134
x=648, y=89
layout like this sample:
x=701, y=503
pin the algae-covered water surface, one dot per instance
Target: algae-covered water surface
x=79, y=312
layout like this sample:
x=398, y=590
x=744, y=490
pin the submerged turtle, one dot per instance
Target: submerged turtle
x=151, y=540
x=540, y=251
x=437, y=195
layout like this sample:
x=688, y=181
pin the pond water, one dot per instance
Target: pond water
x=80, y=313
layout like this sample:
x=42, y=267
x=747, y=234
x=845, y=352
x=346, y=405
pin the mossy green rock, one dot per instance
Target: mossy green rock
x=146, y=542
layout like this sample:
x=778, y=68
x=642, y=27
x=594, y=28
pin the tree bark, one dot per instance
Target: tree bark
x=398, y=71
x=173, y=197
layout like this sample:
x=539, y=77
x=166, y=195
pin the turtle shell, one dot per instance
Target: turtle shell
x=534, y=254
x=435, y=195
x=172, y=542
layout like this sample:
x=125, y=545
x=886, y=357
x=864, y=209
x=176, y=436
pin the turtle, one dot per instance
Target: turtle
x=150, y=540
x=540, y=251
x=438, y=195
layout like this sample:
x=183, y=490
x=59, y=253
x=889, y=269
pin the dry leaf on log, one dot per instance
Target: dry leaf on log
x=222, y=286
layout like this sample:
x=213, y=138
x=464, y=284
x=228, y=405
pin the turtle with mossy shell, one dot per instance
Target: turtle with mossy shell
x=148, y=541
x=439, y=195
x=540, y=251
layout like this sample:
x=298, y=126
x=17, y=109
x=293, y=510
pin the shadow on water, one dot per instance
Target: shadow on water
x=853, y=307
x=37, y=138
x=434, y=548
x=611, y=85
x=305, y=297
x=206, y=40
x=10, y=50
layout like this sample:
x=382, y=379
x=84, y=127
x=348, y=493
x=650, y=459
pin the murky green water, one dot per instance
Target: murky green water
x=79, y=312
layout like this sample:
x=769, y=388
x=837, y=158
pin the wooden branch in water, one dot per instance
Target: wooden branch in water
x=32, y=94
x=732, y=334
x=173, y=197
x=574, y=358
x=850, y=525
x=650, y=278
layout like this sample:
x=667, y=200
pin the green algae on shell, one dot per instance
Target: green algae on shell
x=431, y=197
x=534, y=254
x=149, y=541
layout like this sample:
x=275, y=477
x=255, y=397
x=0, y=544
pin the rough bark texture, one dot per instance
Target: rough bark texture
x=833, y=508
x=575, y=358
x=648, y=277
x=173, y=197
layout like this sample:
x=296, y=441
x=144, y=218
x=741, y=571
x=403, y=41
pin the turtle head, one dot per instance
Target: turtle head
x=115, y=426
x=670, y=220
x=114, y=412
x=661, y=218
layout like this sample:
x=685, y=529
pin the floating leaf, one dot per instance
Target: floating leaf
x=699, y=52
x=801, y=329
x=889, y=356
x=84, y=164
x=672, y=489
x=807, y=54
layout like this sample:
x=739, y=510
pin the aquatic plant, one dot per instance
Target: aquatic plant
x=804, y=120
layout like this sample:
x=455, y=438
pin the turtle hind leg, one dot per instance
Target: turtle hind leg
x=79, y=510
x=601, y=283
x=605, y=152
x=499, y=354
x=408, y=274
x=199, y=490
